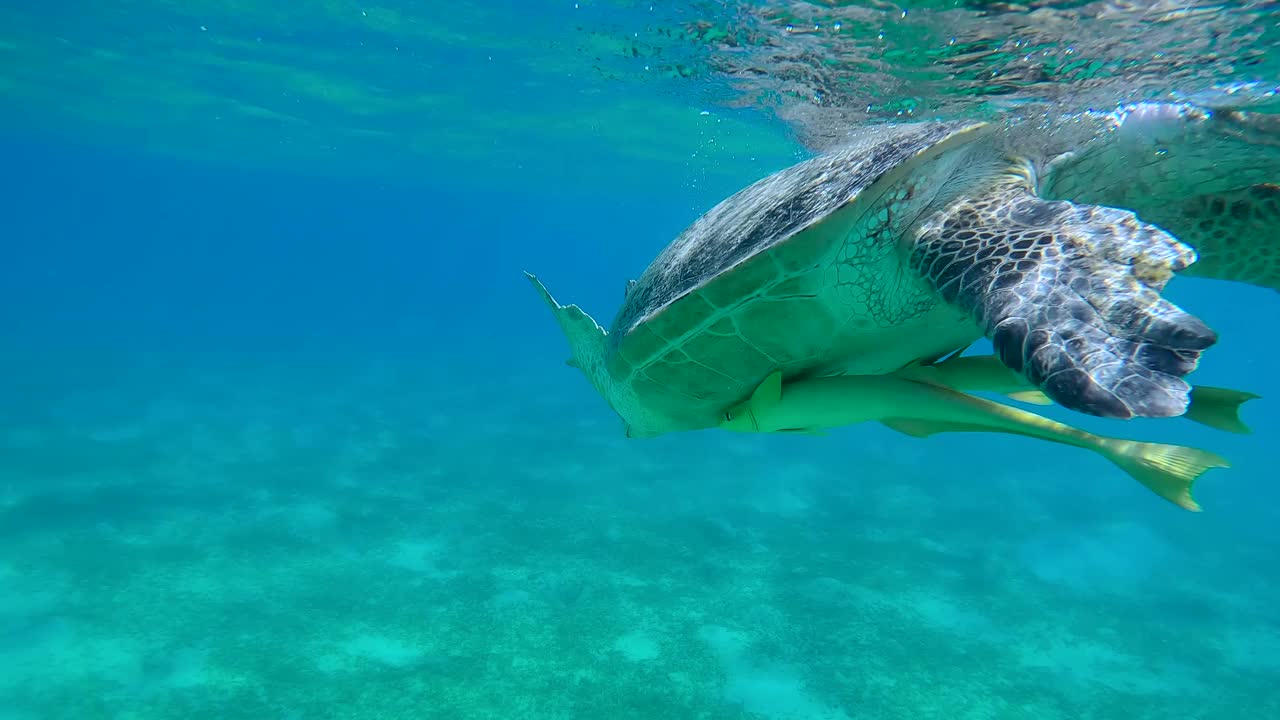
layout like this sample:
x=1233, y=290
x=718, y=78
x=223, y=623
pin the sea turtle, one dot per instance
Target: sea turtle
x=914, y=240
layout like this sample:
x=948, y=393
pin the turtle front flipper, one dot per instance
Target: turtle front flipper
x=1070, y=297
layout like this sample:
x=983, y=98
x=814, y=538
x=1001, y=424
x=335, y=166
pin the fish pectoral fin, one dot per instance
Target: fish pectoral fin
x=1032, y=397
x=925, y=428
x=1219, y=408
x=803, y=431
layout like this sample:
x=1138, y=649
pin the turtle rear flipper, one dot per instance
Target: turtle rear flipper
x=1236, y=233
x=1070, y=297
x=1208, y=176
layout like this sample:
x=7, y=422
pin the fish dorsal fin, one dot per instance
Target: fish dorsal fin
x=768, y=393
x=947, y=357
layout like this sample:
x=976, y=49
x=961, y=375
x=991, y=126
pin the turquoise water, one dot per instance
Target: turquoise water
x=284, y=433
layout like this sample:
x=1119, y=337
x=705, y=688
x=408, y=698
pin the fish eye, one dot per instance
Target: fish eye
x=728, y=416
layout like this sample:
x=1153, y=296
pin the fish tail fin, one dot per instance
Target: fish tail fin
x=1167, y=470
x=1219, y=408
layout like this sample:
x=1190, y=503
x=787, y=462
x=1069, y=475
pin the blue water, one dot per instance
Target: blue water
x=287, y=442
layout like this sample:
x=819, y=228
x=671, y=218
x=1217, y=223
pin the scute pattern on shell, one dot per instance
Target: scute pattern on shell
x=769, y=212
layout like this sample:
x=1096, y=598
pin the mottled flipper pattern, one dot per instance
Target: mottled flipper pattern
x=1070, y=297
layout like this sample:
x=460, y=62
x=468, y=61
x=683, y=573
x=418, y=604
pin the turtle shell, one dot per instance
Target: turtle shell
x=787, y=273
